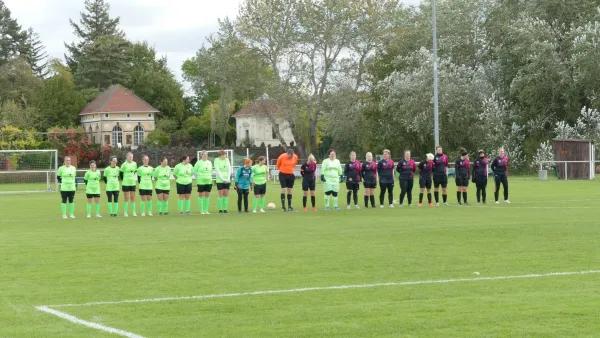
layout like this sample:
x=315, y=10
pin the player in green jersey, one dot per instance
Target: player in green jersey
x=223, y=168
x=162, y=174
x=128, y=170
x=111, y=178
x=144, y=174
x=260, y=176
x=66, y=177
x=92, y=189
x=183, y=177
x=331, y=171
x=203, y=171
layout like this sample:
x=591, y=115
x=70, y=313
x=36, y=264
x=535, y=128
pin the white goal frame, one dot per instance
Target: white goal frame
x=228, y=153
x=50, y=172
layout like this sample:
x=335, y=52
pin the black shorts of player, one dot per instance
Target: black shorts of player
x=287, y=180
x=128, y=188
x=425, y=182
x=386, y=185
x=353, y=186
x=160, y=191
x=223, y=186
x=260, y=189
x=308, y=185
x=370, y=185
x=481, y=181
x=145, y=192
x=205, y=187
x=67, y=196
x=462, y=181
x=184, y=189
x=440, y=179
x=90, y=196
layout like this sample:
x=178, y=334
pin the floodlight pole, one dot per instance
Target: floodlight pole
x=436, y=123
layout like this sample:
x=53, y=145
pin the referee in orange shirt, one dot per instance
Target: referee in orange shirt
x=286, y=164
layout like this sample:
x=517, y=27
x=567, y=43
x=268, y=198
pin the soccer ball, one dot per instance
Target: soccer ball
x=271, y=206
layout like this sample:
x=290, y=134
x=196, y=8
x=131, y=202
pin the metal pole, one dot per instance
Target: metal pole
x=436, y=123
x=566, y=172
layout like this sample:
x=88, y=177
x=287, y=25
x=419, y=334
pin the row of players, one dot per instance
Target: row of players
x=432, y=170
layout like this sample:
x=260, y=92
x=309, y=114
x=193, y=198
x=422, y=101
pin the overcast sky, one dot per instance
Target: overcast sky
x=176, y=28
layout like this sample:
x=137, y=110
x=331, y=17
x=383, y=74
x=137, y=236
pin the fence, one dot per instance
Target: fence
x=583, y=170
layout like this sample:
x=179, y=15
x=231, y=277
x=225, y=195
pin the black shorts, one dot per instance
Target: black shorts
x=113, y=196
x=370, y=185
x=287, y=180
x=440, y=179
x=184, y=189
x=160, y=191
x=90, y=196
x=70, y=194
x=386, y=185
x=462, y=181
x=425, y=182
x=145, y=192
x=308, y=185
x=353, y=186
x=205, y=187
x=128, y=188
x=223, y=186
x=260, y=189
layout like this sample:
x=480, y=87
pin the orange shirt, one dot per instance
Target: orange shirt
x=287, y=165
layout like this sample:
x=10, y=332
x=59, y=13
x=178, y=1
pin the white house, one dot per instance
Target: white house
x=254, y=127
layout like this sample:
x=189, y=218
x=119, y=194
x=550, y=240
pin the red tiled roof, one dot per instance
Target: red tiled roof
x=258, y=107
x=117, y=99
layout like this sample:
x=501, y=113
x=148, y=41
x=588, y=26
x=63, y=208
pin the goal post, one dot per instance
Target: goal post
x=23, y=171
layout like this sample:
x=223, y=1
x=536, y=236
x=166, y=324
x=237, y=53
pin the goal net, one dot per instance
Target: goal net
x=28, y=171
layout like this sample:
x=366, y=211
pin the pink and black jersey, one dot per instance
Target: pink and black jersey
x=462, y=167
x=385, y=170
x=500, y=166
x=425, y=169
x=352, y=171
x=307, y=170
x=441, y=164
x=480, y=167
x=407, y=169
x=369, y=172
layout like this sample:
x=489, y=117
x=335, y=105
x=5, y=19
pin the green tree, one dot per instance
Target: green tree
x=12, y=36
x=18, y=82
x=14, y=114
x=35, y=54
x=19, y=139
x=95, y=22
x=103, y=63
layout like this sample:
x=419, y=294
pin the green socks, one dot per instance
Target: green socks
x=142, y=207
x=327, y=201
x=125, y=206
x=89, y=209
x=97, y=208
x=110, y=208
x=201, y=204
x=149, y=206
x=115, y=208
x=220, y=203
x=262, y=203
x=255, y=203
x=63, y=208
x=225, y=203
x=206, y=203
x=335, y=202
x=159, y=206
x=180, y=205
x=133, y=206
x=72, y=208
x=166, y=206
x=188, y=204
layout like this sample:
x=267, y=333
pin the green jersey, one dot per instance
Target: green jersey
x=128, y=170
x=259, y=174
x=92, y=179
x=332, y=170
x=183, y=172
x=145, y=176
x=67, y=176
x=223, y=168
x=112, y=178
x=203, y=170
x=163, y=177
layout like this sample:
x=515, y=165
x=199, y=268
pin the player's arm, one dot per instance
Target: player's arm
x=494, y=165
x=421, y=165
x=86, y=177
x=302, y=169
x=279, y=161
x=59, y=175
x=414, y=166
x=229, y=171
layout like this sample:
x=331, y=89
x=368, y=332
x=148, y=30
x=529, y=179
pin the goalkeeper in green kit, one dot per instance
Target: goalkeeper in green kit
x=331, y=173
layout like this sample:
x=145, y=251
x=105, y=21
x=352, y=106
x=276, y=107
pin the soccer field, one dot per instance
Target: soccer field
x=531, y=268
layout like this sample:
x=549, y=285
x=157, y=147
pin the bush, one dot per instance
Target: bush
x=159, y=136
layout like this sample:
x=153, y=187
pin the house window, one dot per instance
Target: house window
x=149, y=115
x=91, y=134
x=274, y=132
x=105, y=115
x=117, y=136
x=138, y=135
x=128, y=115
x=107, y=139
x=128, y=139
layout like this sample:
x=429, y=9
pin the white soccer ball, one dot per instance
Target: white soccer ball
x=271, y=206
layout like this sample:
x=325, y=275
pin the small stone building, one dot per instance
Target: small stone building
x=118, y=118
x=254, y=126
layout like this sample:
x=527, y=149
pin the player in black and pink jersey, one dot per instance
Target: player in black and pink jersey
x=353, y=178
x=480, y=176
x=425, y=173
x=500, y=168
x=307, y=170
x=406, y=168
x=462, y=166
x=368, y=173
x=385, y=171
x=440, y=176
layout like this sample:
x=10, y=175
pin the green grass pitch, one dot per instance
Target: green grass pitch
x=552, y=226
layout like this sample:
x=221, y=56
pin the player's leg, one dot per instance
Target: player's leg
x=63, y=203
x=382, y=194
x=71, y=197
x=327, y=188
x=436, y=189
x=355, y=195
x=313, y=199
x=372, y=195
x=484, y=189
x=505, y=187
x=348, y=194
x=240, y=194
x=458, y=189
x=497, y=182
x=226, y=198
x=335, y=191
x=403, y=190
x=304, y=194
x=283, y=184
x=445, y=189
x=464, y=190
x=409, y=189
x=90, y=198
x=290, y=188
x=391, y=194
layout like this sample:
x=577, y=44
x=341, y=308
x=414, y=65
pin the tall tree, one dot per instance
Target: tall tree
x=12, y=37
x=103, y=63
x=35, y=54
x=95, y=22
x=18, y=82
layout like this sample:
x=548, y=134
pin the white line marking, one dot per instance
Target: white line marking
x=79, y=321
x=340, y=287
